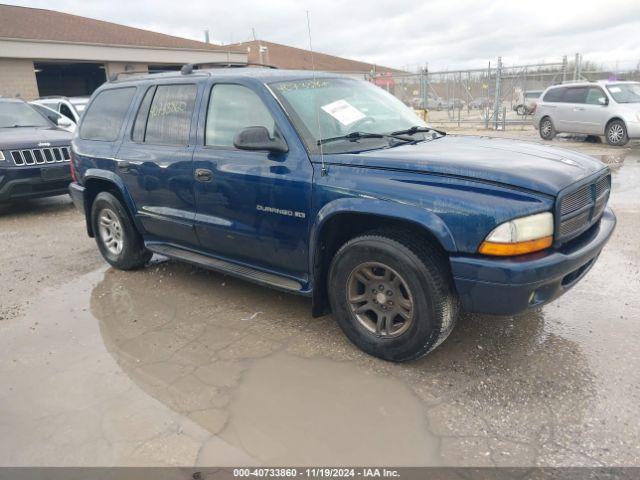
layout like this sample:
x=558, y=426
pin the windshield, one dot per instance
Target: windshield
x=19, y=114
x=625, y=92
x=332, y=107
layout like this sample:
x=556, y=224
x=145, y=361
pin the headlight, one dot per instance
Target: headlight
x=1, y=157
x=520, y=236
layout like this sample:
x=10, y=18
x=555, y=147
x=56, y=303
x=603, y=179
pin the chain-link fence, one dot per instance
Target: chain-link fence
x=494, y=97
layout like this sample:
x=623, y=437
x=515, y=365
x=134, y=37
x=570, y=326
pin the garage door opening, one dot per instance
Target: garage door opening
x=69, y=79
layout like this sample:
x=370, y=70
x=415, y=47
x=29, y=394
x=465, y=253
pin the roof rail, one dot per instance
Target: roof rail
x=115, y=76
x=189, y=67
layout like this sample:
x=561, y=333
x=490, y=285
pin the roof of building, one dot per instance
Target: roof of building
x=284, y=56
x=48, y=25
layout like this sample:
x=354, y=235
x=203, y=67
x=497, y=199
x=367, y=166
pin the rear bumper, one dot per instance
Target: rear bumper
x=76, y=192
x=510, y=286
x=22, y=183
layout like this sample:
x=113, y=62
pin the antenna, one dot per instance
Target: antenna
x=323, y=168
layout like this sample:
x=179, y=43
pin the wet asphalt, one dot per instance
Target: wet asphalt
x=176, y=365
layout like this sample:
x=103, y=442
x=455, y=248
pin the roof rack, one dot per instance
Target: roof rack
x=189, y=67
x=116, y=76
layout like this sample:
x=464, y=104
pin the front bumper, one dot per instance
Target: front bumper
x=509, y=286
x=21, y=183
x=633, y=130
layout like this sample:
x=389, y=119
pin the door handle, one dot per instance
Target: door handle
x=578, y=109
x=124, y=166
x=203, y=175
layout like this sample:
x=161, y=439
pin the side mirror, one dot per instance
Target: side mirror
x=64, y=122
x=258, y=138
x=603, y=101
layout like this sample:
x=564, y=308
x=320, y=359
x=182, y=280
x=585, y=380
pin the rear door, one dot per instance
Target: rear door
x=572, y=110
x=155, y=161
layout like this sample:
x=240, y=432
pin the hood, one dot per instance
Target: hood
x=525, y=165
x=30, y=137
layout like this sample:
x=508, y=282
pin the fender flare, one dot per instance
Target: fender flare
x=116, y=181
x=382, y=208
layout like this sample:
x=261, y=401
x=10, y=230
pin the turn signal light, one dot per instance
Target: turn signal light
x=517, y=248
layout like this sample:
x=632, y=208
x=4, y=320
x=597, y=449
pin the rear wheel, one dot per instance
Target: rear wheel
x=616, y=133
x=547, y=130
x=392, y=295
x=118, y=240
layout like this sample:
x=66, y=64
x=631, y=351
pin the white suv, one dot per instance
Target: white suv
x=606, y=108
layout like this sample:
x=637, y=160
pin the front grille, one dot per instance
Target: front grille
x=580, y=209
x=40, y=156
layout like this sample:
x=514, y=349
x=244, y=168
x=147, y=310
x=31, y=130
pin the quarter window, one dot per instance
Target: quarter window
x=106, y=114
x=169, y=119
x=231, y=109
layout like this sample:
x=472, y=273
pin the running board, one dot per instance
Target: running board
x=223, y=266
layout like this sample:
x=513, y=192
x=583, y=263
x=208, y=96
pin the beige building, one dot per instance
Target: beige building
x=43, y=52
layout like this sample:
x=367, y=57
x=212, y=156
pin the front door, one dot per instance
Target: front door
x=155, y=162
x=252, y=206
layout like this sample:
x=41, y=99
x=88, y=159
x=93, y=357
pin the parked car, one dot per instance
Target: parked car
x=328, y=186
x=481, y=103
x=527, y=102
x=62, y=105
x=607, y=108
x=57, y=118
x=34, y=153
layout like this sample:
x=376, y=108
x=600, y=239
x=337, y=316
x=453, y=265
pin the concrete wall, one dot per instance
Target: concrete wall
x=112, y=68
x=17, y=78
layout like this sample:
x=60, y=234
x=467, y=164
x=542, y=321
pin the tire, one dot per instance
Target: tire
x=412, y=271
x=546, y=129
x=110, y=220
x=616, y=133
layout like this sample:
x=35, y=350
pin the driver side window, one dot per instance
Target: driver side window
x=233, y=108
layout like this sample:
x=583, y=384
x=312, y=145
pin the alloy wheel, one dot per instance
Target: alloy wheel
x=380, y=299
x=110, y=230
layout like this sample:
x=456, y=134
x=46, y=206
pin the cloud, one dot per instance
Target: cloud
x=401, y=33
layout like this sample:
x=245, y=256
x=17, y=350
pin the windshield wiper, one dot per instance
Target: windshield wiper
x=20, y=126
x=417, y=129
x=353, y=136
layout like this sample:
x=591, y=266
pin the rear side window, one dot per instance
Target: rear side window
x=170, y=115
x=575, y=95
x=106, y=114
x=553, y=95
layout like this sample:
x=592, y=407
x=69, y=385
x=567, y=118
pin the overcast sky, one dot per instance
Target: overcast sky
x=448, y=34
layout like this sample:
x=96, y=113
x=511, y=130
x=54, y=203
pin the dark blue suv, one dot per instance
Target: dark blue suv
x=34, y=153
x=329, y=187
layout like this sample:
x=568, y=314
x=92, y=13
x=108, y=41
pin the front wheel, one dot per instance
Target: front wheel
x=118, y=240
x=616, y=133
x=392, y=295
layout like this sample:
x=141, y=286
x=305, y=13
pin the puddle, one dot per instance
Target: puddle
x=175, y=365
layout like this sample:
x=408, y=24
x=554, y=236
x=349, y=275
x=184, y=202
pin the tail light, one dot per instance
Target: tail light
x=72, y=166
x=533, y=108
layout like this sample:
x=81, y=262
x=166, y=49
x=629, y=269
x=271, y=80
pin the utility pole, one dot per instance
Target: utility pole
x=564, y=68
x=498, y=97
x=577, y=66
x=424, y=81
